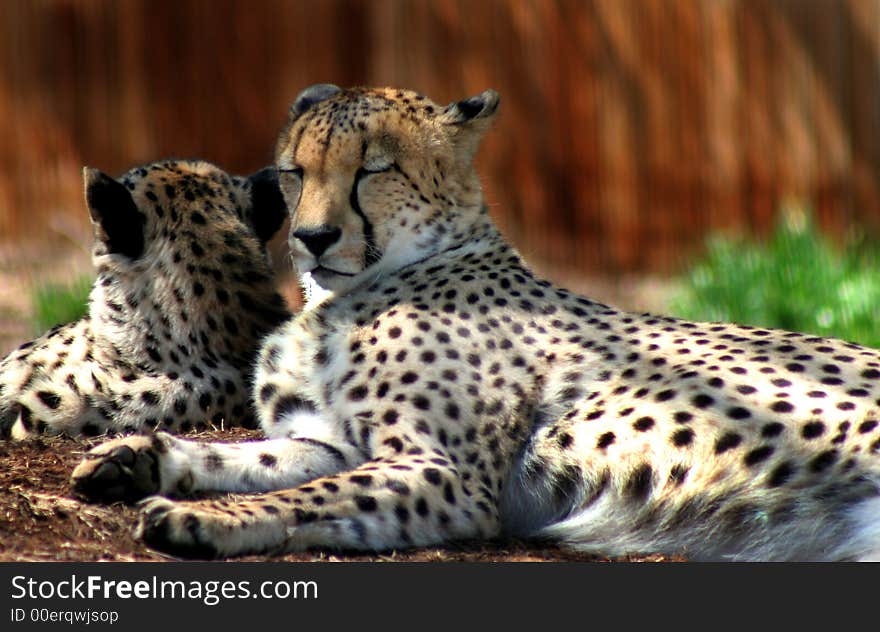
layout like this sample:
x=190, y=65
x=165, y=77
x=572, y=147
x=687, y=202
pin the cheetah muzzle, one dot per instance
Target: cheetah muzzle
x=435, y=389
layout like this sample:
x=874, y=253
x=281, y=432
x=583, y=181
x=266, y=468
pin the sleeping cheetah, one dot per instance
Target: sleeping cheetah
x=435, y=389
x=182, y=296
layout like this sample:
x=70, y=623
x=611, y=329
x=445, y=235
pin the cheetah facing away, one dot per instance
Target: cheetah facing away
x=183, y=294
x=434, y=389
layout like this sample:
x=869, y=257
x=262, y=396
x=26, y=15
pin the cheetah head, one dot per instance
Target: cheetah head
x=151, y=206
x=178, y=243
x=376, y=179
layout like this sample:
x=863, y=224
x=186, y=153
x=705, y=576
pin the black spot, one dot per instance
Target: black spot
x=780, y=474
x=289, y=404
x=565, y=440
x=678, y=473
x=871, y=374
x=402, y=513
x=452, y=410
x=366, y=503
x=761, y=453
x=398, y=487
x=867, y=426
x=422, y=507
x=421, y=402
x=358, y=393
x=639, y=483
x=738, y=412
x=432, y=475
x=605, y=440
x=364, y=480
x=703, y=401
x=781, y=407
x=448, y=494
x=643, y=424
x=150, y=398
x=682, y=437
x=812, y=430
x=823, y=461
x=682, y=416
x=664, y=396
x=266, y=392
x=51, y=400
x=727, y=441
x=268, y=460
x=409, y=377
x=773, y=429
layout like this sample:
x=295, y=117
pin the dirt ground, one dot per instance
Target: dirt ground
x=41, y=521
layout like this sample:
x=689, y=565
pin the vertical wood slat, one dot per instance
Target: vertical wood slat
x=628, y=128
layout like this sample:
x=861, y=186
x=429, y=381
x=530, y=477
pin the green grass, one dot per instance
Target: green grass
x=796, y=280
x=59, y=304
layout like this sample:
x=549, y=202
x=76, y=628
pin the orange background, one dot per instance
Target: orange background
x=628, y=129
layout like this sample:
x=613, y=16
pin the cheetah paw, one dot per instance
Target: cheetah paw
x=173, y=528
x=125, y=469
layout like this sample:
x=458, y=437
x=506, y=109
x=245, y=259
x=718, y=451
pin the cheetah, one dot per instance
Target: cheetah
x=183, y=293
x=435, y=389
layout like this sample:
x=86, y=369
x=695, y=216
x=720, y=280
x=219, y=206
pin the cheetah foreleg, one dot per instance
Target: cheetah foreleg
x=379, y=506
x=131, y=468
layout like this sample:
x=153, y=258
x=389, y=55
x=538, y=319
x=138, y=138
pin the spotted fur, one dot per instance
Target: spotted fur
x=182, y=296
x=436, y=389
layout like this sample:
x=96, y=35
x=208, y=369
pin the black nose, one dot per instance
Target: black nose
x=317, y=240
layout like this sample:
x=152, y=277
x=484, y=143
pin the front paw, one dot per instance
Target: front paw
x=125, y=469
x=175, y=528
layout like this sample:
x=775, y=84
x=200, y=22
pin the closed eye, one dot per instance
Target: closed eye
x=297, y=171
x=378, y=167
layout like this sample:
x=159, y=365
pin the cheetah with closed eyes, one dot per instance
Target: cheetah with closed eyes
x=435, y=389
x=182, y=296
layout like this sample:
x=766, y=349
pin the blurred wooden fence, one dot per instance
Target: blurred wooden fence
x=629, y=128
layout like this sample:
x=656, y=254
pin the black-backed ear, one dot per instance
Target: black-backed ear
x=312, y=95
x=268, y=210
x=118, y=222
x=480, y=107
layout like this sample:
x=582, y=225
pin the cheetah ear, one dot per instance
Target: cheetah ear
x=481, y=107
x=312, y=95
x=117, y=222
x=268, y=210
x=468, y=120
